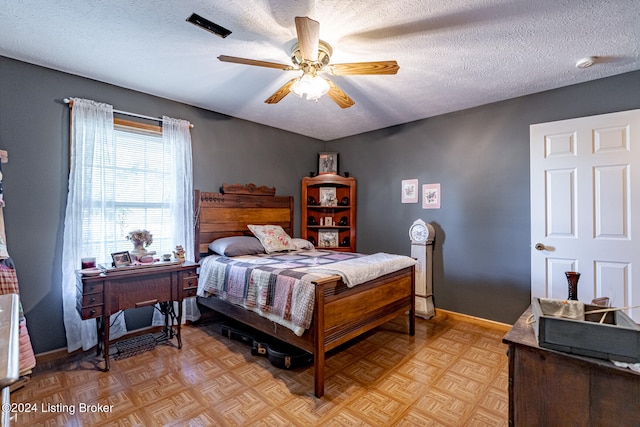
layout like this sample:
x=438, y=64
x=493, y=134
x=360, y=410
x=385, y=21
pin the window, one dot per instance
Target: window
x=122, y=176
x=140, y=168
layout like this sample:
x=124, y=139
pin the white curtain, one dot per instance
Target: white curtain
x=176, y=137
x=95, y=226
x=92, y=144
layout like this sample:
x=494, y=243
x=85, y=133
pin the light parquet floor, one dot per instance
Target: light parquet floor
x=451, y=373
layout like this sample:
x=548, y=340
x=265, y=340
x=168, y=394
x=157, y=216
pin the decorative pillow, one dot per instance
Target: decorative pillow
x=236, y=246
x=272, y=237
x=302, y=244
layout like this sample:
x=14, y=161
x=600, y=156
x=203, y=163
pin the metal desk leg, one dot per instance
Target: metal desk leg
x=170, y=318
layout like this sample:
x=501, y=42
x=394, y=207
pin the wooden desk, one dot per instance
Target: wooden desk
x=101, y=296
x=551, y=388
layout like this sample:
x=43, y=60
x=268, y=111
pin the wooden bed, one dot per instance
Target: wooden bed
x=340, y=313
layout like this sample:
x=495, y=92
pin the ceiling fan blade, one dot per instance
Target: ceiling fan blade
x=378, y=67
x=280, y=93
x=236, y=60
x=308, y=36
x=338, y=96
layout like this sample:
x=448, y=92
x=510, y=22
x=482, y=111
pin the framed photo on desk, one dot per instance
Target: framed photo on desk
x=121, y=259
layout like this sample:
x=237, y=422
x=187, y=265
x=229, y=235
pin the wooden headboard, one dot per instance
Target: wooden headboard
x=228, y=213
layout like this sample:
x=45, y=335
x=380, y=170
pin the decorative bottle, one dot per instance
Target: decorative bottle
x=572, y=280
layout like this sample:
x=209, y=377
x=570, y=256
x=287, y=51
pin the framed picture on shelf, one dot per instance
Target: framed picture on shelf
x=121, y=259
x=327, y=163
x=327, y=238
x=328, y=196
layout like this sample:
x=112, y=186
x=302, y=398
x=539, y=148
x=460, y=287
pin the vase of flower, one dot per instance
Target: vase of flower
x=138, y=250
x=141, y=239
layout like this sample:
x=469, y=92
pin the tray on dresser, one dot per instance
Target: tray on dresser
x=616, y=338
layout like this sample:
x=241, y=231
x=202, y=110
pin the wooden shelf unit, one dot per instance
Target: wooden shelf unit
x=344, y=188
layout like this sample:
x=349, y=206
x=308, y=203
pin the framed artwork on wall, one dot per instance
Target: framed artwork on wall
x=327, y=163
x=409, y=191
x=431, y=196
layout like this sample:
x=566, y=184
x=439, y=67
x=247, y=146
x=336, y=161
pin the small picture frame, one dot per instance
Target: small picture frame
x=327, y=238
x=121, y=259
x=410, y=191
x=328, y=196
x=431, y=196
x=327, y=163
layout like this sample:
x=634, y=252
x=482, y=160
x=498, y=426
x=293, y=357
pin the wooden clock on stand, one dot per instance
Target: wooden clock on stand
x=422, y=236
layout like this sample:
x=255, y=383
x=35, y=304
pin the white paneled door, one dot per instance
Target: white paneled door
x=585, y=208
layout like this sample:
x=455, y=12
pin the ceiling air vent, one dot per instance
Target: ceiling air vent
x=205, y=24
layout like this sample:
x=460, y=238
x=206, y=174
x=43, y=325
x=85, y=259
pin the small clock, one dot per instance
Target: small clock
x=418, y=232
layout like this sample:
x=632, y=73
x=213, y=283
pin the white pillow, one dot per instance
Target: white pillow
x=302, y=244
x=272, y=237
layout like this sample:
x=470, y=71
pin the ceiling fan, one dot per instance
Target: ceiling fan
x=311, y=56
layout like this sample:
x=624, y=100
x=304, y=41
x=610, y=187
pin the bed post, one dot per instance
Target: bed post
x=318, y=352
x=412, y=311
x=196, y=223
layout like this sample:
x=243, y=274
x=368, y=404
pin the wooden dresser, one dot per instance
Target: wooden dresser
x=98, y=297
x=551, y=388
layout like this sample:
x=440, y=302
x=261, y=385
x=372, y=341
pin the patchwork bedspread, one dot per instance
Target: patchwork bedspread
x=279, y=286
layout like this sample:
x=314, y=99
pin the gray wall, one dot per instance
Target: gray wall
x=480, y=156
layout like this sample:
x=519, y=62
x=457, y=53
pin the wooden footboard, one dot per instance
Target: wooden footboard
x=340, y=314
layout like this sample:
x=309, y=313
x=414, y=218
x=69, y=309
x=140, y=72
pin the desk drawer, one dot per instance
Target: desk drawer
x=141, y=292
x=90, y=312
x=190, y=282
x=92, y=299
x=92, y=287
x=90, y=305
x=189, y=292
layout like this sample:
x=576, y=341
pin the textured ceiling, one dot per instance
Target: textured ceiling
x=453, y=54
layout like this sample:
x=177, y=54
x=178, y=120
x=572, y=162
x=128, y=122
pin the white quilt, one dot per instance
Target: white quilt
x=359, y=270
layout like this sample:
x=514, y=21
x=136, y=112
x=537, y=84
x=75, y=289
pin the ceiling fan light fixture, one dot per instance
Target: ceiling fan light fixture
x=311, y=56
x=310, y=86
x=324, y=54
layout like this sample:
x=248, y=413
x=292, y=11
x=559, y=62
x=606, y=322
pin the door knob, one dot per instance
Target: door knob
x=539, y=247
